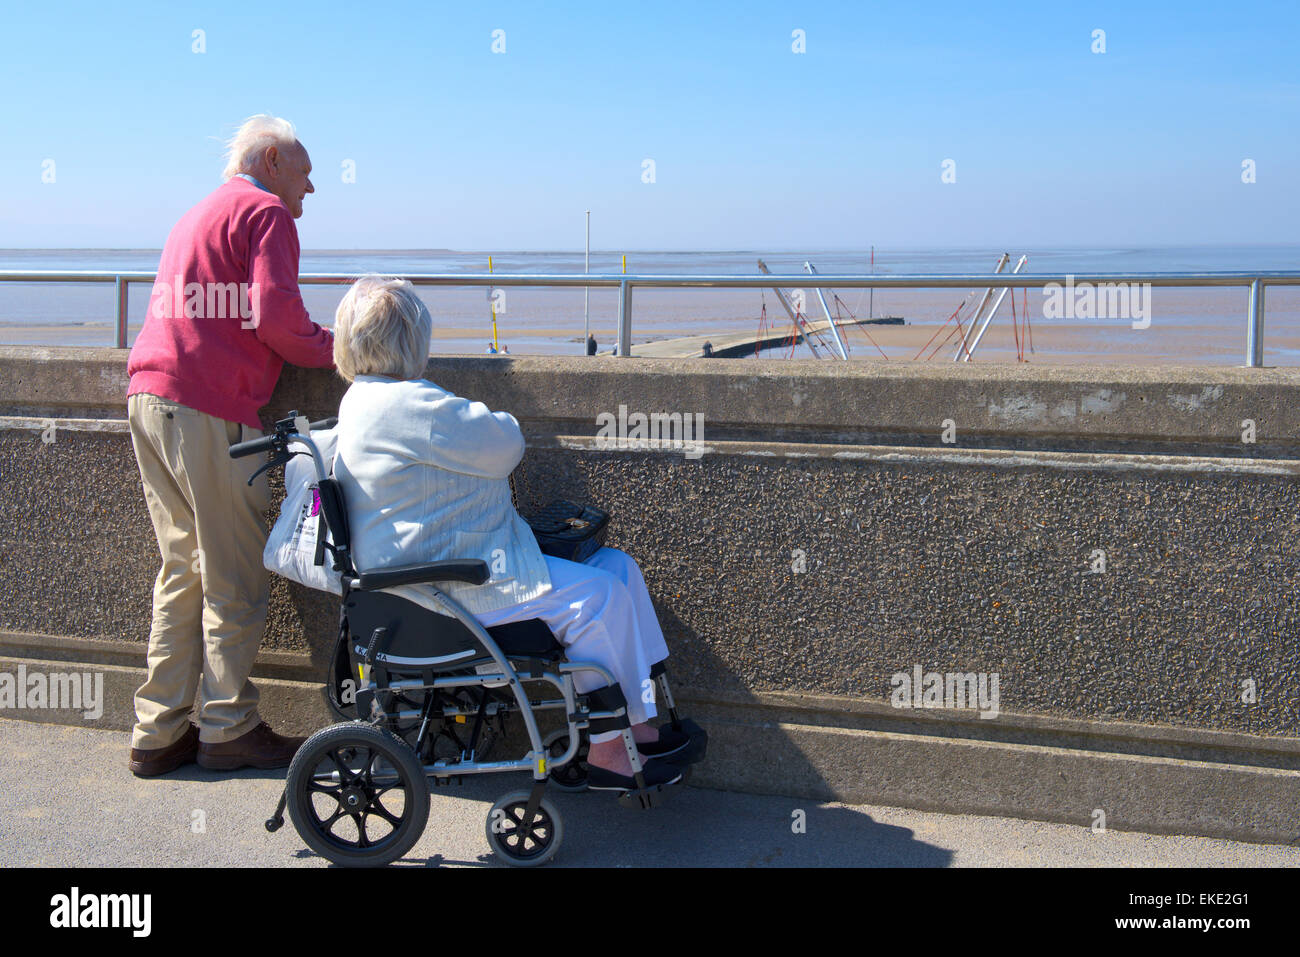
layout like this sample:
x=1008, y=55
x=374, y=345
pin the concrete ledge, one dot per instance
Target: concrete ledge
x=56, y=653
x=884, y=454
x=1154, y=795
x=291, y=707
x=952, y=455
x=1170, y=410
x=72, y=425
x=1195, y=744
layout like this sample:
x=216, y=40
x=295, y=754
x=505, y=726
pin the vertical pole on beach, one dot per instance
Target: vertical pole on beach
x=122, y=311
x=586, y=291
x=871, y=308
x=1255, y=326
x=492, y=299
x=624, y=318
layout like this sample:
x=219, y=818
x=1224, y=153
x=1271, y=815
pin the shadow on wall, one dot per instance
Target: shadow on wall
x=692, y=662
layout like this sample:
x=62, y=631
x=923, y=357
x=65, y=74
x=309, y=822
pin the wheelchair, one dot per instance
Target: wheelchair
x=426, y=693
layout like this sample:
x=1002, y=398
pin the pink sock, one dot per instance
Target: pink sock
x=644, y=734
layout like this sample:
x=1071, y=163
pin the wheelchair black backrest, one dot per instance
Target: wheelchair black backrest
x=336, y=517
x=413, y=638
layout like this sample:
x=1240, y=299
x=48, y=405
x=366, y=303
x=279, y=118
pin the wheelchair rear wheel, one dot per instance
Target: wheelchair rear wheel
x=571, y=776
x=358, y=795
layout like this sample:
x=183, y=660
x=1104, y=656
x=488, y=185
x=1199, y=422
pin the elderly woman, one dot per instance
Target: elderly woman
x=426, y=477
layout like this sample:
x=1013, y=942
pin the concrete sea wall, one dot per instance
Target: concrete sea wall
x=1117, y=546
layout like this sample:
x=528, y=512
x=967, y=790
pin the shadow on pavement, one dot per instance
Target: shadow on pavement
x=697, y=828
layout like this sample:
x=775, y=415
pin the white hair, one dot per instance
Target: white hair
x=257, y=133
x=381, y=328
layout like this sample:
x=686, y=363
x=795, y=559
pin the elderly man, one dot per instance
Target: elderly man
x=224, y=316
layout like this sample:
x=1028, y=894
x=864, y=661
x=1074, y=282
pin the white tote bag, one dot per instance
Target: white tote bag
x=291, y=548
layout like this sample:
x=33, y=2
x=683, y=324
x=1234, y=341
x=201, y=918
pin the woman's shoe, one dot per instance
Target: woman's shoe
x=670, y=742
x=659, y=773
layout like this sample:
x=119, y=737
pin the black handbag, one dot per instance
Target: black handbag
x=566, y=530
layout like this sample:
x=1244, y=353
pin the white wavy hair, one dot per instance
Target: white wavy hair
x=381, y=328
x=255, y=135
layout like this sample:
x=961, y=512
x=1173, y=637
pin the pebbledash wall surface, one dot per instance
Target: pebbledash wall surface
x=1119, y=547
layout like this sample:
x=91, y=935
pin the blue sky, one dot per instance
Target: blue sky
x=754, y=146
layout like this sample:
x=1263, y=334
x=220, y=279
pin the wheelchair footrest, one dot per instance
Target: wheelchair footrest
x=699, y=745
x=645, y=798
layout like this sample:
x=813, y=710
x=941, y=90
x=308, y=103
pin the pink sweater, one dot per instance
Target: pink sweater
x=225, y=313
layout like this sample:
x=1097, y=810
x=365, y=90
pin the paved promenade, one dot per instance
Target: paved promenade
x=71, y=801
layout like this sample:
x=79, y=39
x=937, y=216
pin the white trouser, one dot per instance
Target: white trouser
x=601, y=612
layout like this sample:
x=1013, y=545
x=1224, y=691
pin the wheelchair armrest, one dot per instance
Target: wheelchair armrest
x=470, y=571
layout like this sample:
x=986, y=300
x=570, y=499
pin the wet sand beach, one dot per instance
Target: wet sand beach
x=1198, y=325
x=1055, y=342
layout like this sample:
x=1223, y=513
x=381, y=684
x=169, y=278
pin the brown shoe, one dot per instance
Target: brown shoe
x=148, y=762
x=259, y=748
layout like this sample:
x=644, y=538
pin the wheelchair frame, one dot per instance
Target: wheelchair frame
x=472, y=659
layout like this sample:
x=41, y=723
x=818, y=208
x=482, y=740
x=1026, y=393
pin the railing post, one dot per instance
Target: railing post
x=624, y=318
x=122, y=286
x=1255, y=326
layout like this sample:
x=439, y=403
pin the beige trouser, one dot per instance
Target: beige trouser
x=209, y=600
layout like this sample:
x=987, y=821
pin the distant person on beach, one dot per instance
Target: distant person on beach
x=491, y=349
x=591, y=345
x=224, y=316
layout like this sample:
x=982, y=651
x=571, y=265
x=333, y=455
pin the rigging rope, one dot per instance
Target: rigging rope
x=1028, y=328
x=950, y=318
x=840, y=302
x=1015, y=329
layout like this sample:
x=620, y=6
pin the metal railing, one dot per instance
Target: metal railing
x=1255, y=282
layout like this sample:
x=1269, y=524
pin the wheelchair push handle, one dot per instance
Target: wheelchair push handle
x=252, y=447
x=276, y=439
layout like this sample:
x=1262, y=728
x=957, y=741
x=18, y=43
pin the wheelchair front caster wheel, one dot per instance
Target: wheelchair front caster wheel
x=571, y=776
x=520, y=846
x=357, y=795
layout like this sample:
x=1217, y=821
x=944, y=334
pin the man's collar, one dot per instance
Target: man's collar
x=254, y=180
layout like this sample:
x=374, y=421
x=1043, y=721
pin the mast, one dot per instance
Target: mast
x=835, y=331
x=586, y=291
x=988, y=294
x=993, y=312
x=785, y=303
